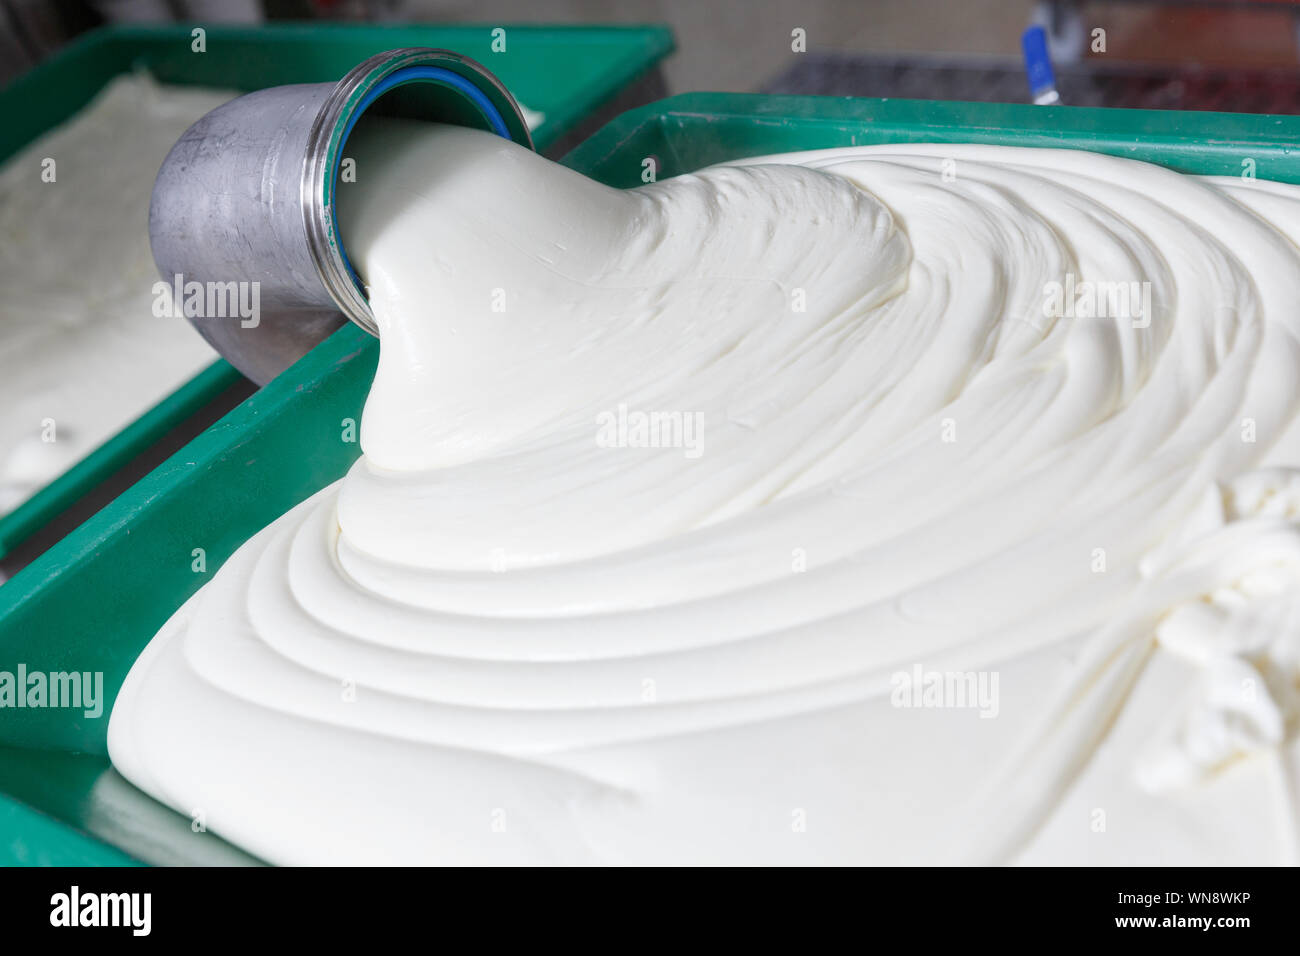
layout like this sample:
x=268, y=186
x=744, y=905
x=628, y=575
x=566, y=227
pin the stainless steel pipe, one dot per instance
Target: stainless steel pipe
x=247, y=196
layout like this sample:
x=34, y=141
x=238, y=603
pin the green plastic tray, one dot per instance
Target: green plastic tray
x=94, y=600
x=567, y=73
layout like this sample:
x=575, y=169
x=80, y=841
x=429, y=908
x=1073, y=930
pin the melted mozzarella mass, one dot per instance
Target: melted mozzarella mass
x=897, y=504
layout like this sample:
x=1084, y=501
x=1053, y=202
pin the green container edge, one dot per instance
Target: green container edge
x=77, y=72
x=67, y=489
x=32, y=838
x=300, y=414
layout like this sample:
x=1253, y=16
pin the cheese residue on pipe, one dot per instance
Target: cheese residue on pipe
x=895, y=504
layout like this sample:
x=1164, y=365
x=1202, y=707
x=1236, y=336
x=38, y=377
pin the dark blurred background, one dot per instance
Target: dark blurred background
x=1222, y=55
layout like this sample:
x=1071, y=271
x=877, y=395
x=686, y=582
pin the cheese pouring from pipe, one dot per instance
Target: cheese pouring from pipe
x=816, y=508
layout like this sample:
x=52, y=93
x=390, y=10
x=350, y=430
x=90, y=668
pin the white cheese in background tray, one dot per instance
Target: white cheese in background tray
x=82, y=353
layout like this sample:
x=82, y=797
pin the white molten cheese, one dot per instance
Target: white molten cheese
x=899, y=504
